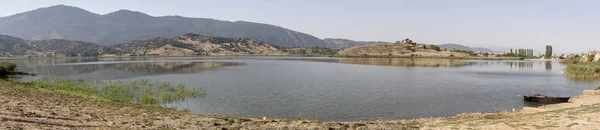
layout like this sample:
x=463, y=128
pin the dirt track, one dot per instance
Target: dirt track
x=22, y=107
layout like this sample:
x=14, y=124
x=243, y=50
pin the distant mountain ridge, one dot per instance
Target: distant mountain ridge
x=189, y=44
x=463, y=47
x=72, y=23
x=339, y=43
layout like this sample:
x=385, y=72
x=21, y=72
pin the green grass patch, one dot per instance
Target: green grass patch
x=583, y=70
x=7, y=69
x=136, y=92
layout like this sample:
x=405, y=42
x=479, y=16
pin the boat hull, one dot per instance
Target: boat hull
x=548, y=100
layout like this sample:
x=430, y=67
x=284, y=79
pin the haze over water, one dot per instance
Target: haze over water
x=340, y=89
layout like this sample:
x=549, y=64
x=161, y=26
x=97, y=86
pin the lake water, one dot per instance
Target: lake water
x=332, y=89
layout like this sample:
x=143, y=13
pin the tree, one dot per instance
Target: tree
x=548, y=51
x=434, y=47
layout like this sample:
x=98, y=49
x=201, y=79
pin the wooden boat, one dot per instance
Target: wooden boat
x=539, y=98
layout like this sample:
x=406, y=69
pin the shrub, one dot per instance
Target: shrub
x=7, y=68
x=583, y=70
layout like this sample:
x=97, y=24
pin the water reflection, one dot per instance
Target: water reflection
x=548, y=65
x=119, y=70
x=330, y=91
x=406, y=62
x=523, y=65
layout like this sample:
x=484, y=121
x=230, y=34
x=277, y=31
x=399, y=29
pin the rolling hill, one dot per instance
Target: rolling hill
x=406, y=48
x=193, y=44
x=12, y=46
x=338, y=43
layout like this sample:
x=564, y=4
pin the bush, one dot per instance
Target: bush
x=7, y=68
x=583, y=70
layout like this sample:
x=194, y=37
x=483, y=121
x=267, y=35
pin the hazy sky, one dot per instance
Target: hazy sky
x=568, y=25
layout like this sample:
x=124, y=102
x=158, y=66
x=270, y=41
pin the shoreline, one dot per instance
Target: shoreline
x=106, y=57
x=30, y=108
x=435, y=57
x=408, y=57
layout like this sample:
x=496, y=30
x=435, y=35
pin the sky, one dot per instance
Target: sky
x=567, y=25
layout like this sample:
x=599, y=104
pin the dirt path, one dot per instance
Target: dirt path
x=22, y=107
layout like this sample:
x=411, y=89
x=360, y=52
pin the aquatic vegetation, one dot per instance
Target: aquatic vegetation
x=136, y=92
x=7, y=68
x=300, y=117
x=587, y=70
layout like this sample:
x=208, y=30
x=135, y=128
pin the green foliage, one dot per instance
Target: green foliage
x=13, y=46
x=314, y=51
x=548, y=52
x=410, y=48
x=434, y=47
x=518, y=53
x=7, y=69
x=464, y=51
x=591, y=57
x=137, y=92
x=583, y=70
x=72, y=48
x=215, y=40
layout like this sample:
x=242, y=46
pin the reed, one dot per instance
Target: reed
x=136, y=92
x=588, y=70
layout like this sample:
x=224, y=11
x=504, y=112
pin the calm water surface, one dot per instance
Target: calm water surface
x=341, y=89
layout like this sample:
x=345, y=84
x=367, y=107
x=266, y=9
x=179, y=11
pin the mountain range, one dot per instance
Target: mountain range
x=463, y=47
x=189, y=44
x=72, y=23
x=83, y=28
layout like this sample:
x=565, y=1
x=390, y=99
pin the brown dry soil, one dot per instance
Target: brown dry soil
x=23, y=107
